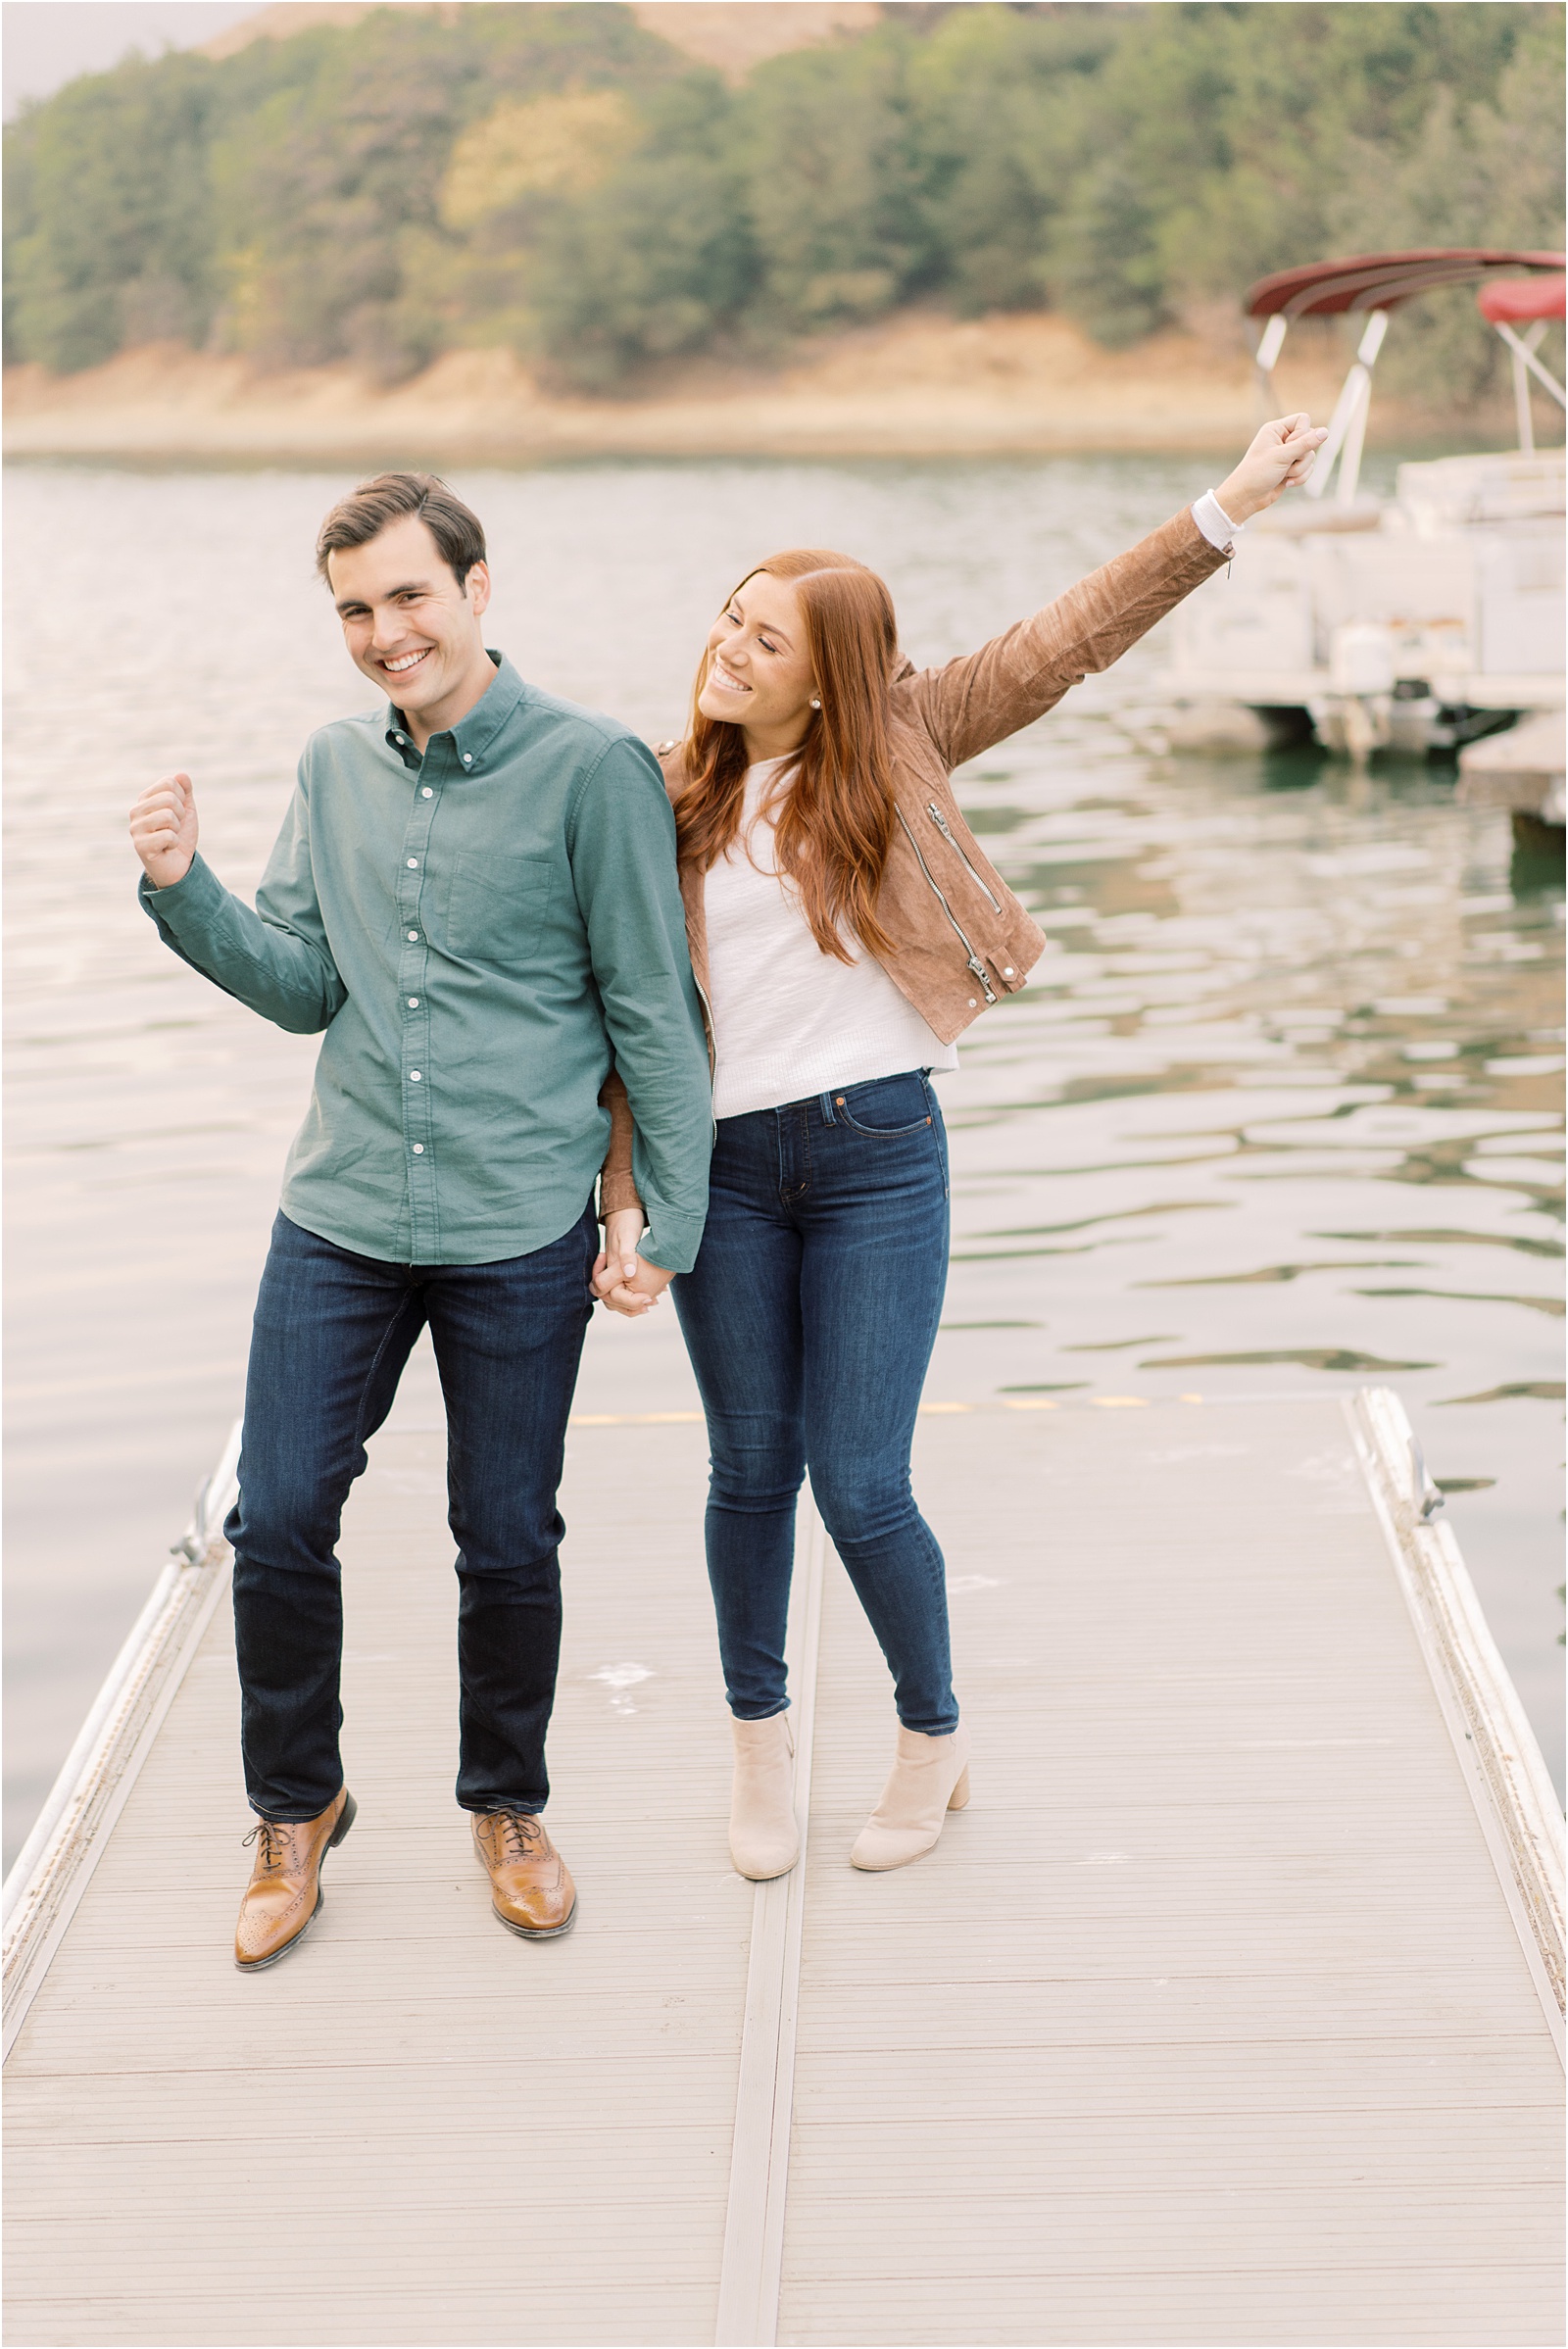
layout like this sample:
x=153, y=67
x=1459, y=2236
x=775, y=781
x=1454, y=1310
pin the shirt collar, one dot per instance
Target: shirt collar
x=472, y=736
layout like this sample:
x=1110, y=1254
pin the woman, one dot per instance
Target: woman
x=845, y=929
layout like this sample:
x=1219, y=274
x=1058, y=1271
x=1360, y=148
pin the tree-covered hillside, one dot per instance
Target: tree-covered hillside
x=555, y=178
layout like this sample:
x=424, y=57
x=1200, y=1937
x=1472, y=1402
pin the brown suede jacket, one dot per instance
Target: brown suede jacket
x=963, y=938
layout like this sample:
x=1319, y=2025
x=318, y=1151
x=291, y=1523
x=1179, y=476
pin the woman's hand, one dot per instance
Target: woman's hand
x=1281, y=456
x=622, y=1280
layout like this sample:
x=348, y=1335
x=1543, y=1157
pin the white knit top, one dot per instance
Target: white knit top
x=788, y=1020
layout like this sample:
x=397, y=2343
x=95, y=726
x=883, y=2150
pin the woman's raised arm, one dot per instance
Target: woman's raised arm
x=980, y=699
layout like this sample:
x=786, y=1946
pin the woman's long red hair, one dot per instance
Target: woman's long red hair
x=835, y=827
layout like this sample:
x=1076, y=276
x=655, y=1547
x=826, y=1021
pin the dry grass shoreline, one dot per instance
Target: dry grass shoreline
x=914, y=385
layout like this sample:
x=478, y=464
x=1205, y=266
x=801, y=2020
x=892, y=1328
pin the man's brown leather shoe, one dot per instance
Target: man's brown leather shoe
x=530, y=1888
x=283, y=1897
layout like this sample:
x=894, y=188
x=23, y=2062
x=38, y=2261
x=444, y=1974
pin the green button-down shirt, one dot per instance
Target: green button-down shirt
x=479, y=932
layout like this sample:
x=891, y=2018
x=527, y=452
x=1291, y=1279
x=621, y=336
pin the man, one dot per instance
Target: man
x=474, y=896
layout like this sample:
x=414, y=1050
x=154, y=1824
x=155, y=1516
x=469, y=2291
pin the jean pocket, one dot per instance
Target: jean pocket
x=871, y=1109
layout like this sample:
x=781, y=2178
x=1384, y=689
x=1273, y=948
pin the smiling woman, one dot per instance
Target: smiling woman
x=846, y=927
x=797, y=665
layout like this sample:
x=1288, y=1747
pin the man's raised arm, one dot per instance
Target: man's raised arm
x=274, y=958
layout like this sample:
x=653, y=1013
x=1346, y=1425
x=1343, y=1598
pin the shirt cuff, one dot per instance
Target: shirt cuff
x=198, y=888
x=671, y=1241
x=1214, y=522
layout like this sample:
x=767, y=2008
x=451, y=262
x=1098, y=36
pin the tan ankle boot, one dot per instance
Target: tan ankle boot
x=763, y=1838
x=929, y=1779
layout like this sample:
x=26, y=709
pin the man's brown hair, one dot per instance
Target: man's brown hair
x=368, y=510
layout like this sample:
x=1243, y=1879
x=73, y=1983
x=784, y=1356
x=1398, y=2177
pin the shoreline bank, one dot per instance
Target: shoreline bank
x=915, y=385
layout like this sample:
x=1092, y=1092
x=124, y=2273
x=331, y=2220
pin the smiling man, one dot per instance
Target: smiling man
x=473, y=896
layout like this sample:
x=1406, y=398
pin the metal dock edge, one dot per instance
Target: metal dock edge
x=55, y=1864
x=1507, y=1778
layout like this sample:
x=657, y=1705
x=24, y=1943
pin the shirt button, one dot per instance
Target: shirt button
x=467, y=758
x=971, y=1002
x=397, y=738
x=1008, y=971
x=426, y=793
x=413, y=1076
x=413, y=864
x=413, y=1002
x=419, y=1149
x=413, y=938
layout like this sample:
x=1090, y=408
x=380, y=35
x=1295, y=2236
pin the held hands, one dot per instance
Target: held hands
x=622, y=1280
x=1281, y=456
x=163, y=829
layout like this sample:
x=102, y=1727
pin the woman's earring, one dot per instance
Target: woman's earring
x=817, y=705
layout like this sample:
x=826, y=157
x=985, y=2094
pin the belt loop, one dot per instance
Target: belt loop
x=824, y=1102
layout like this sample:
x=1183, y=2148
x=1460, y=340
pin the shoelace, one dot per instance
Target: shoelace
x=274, y=1844
x=520, y=1834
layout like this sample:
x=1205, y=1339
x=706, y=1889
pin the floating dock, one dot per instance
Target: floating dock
x=1229, y=2011
x=1521, y=769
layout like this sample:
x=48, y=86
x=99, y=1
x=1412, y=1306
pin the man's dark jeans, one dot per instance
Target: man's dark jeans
x=333, y=1333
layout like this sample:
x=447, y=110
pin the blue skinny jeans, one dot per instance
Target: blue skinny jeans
x=810, y=1318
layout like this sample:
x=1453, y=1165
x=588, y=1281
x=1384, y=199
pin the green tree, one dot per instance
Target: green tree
x=1480, y=175
x=823, y=144
x=1217, y=140
x=554, y=176
x=998, y=100
x=108, y=212
x=655, y=258
x=328, y=189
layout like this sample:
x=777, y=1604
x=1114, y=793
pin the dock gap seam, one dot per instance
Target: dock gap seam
x=751, y=2277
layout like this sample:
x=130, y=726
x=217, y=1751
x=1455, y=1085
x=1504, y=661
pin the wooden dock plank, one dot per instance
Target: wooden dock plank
x=1208, y=2022
x=1151, y=2047
x=433, y=2132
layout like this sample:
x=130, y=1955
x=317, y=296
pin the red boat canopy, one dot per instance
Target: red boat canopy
x=1383, y=280
x=1513, y=301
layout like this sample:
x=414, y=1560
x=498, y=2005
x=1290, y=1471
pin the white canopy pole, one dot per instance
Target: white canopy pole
x=1348, y=425
x=1521, y=405
x=1526, y=355
x=1339, y=424
x=1266, y=357
x=1371, y=343
x=1354, y=436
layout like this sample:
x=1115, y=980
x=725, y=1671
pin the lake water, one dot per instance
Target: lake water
x=1280, y=1111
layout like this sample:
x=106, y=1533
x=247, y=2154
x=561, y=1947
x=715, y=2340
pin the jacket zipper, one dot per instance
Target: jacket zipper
x=941, y=822
x=974, y=962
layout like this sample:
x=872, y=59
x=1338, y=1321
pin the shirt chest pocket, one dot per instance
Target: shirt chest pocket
x=494, y=905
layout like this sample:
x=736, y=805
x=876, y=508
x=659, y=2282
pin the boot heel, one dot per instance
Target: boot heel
x=350, y=1814
x=908, y=1820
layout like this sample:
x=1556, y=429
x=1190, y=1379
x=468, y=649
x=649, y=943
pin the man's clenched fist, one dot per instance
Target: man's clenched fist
x=163, y=829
